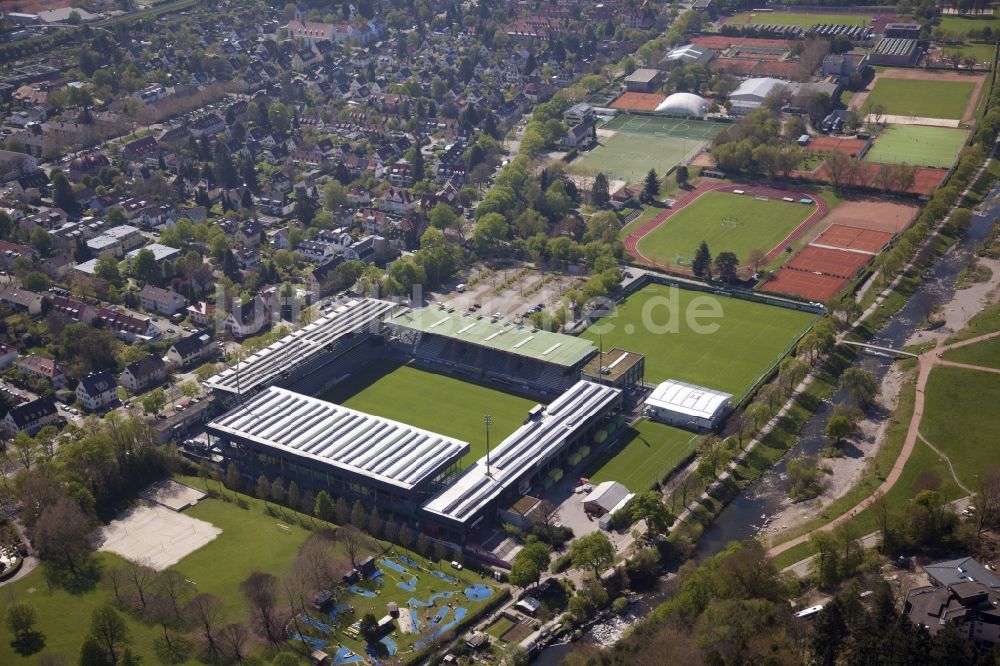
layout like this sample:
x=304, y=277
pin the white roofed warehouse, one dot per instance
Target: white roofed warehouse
x=687, y=406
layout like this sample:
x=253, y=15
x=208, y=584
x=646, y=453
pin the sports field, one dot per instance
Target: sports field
x=664, y=323
x=433, y=401
x=921, y=98
x=651, y=451
x=918, y=145
x=964, y=24
x=727, y=222
x=677, y=128
x=804, y=20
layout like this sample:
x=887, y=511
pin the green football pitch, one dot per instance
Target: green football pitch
x=433, y=401
x=918, y=145
x=921, y=98
x=651, y=452
x=802, y=20
x=728, y=222
x=728, y=354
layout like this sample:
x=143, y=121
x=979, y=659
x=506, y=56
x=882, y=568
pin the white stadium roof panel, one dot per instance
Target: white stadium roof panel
x=367, y=445
x=688, y=399
x=300, y=346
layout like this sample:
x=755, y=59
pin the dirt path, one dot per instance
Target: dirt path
x=927, y=361
x=947, y=461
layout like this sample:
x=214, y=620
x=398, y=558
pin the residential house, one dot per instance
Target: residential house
x=21, y=300
x=8, y=355
x=30, y=417
x=144, y=374
x=579, y=136
x=141, y=149
x=14, y=164
x=11, y=251
x=164, y=301
x=73, y=311
x=88, y=165
x=209, y=124
x=398, y=201
x=202, y=313
x=128, y=327
x=96, y=391
x=195, y=348
x=248, y=318
x=46, y=368
x=578, y=113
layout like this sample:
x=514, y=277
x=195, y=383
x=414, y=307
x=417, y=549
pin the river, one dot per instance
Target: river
x=742, y=518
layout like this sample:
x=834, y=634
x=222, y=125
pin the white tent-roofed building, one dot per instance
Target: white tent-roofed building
x=683, y=104
x=686, y=405
x=750, y=95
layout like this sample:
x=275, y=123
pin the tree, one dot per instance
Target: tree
x=359, y=517
x=204, y=614
x=145, y=270
x=107, y=269
x=442, y=217
x=109, y=636
x=701, y=265
x=260, y=591
x=62, y=192
x=725, y=266
x=21, y=618
x=334, y=196
x=369, y=629
x=154, y=401
x=649, y=506
x=599, y=194
x=529, y=564
x=682, y=174
x=41, y=241
x=839, y=428
x=62, y=534
x=860, y=384
x=279, y=117
x=594, y=551
x=651, y=186
x=356, y=543
x=324, y=508
x=278, y=490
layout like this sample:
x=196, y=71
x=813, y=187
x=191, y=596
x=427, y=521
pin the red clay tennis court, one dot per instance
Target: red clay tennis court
x=809, y=286
x=838, y=263
x=829, y=144
x=854, y=238
x=637, y=101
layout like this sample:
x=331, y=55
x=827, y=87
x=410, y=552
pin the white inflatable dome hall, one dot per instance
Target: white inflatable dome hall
x=684, y=104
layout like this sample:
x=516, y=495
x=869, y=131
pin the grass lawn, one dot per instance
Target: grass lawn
x=500, y=627
x=743, y=343
x=647, y=214
x=924, y=99
x=978, y=52
x=918, y=145
x=629, y=157
x=985, y=353
x=433, y=401
x=799, y=19
x=960, y=419
x=250, y=541
x=727, y=222
x=964, y=24
x=650, y=452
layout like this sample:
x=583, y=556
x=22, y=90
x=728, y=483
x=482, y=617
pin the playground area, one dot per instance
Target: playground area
x=734, y=218
x=423, y=602
x=918, y=145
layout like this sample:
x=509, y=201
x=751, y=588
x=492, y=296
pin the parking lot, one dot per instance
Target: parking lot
x=531, y=292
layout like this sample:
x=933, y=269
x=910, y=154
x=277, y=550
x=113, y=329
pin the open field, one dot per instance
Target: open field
x=960, y=419
x=743, y=343
x=727, y=222
x=986, y=354
x=650, y=452
x=962, y=25
x=922, y=98
x=432, y=401
x=803, y=20
x=628, y=157
x=918, y=145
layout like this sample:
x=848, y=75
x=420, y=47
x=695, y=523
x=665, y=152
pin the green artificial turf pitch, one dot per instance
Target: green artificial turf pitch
x=651, y=451
x=629, y=157
x=433, y=401
x=922, y=99
x=805, y=20
x=727, y=222
x=750, y=337
x=918, y=145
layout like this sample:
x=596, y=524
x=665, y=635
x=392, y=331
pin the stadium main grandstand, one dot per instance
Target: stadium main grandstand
x=305, y=351
x=512, y=356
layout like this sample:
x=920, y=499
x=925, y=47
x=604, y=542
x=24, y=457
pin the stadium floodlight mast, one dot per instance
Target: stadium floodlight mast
x=487, y=420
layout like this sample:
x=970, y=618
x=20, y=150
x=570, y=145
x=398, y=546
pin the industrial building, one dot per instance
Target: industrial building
x=896, y=52
x=687, y=406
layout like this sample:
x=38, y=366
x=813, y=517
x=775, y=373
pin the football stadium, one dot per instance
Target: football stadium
x=396, y=406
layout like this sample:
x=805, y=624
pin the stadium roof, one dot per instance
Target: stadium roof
x=688, y=399
x=300, y=346
x=520, y=339
x=526, y=449
x=314, y=429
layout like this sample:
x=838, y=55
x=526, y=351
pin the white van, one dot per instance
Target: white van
x=460, y=288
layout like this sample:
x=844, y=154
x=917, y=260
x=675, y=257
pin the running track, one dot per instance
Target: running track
x=632, y=240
